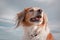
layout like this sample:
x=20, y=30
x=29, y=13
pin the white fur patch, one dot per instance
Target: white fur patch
x=31, y=30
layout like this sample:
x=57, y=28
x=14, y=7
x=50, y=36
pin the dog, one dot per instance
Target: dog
x=34, y=22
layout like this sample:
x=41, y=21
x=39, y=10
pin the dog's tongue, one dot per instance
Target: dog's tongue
x=37, y=18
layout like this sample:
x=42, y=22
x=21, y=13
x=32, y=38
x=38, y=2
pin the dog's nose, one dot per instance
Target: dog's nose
x=39, y=11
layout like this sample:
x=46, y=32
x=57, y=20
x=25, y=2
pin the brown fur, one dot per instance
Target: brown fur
x=50, y=37
x=22, y=17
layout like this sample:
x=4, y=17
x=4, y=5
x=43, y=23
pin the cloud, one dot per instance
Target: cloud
x=11, y=30
x=48, y=3
x=1, y=27
x=7, y=11
x=45, y=1
x=10, y=33
x=54, y=26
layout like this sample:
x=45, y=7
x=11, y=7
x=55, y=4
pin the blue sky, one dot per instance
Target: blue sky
x=9, y=9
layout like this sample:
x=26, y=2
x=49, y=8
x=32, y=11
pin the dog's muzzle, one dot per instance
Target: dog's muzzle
x=36, y=19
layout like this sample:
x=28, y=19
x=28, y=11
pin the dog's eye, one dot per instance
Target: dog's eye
x=31, y=10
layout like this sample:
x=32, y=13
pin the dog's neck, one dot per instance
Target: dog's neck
x=30, y=30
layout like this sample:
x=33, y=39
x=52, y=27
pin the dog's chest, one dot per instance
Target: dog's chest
x=30, y=30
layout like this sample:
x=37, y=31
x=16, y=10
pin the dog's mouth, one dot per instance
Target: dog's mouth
x=35, y=19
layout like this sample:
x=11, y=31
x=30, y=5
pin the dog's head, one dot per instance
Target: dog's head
x=30, y=16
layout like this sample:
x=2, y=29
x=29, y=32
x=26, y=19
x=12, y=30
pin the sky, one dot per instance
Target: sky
x=9, y=9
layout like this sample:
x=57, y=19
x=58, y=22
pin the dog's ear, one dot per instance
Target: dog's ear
x=45, y=20
x=20, y=18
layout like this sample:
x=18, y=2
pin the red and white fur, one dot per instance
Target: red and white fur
x=34, y=30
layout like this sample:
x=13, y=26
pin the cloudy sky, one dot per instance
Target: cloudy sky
x=9, y=9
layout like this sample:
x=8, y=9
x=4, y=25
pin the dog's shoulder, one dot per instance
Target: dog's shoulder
x=49, y=37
